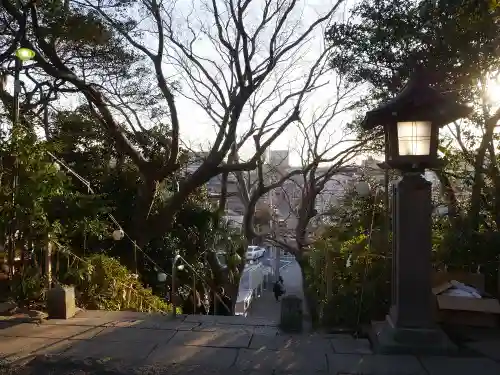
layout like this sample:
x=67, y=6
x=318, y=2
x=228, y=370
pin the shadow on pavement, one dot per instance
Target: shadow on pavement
x=97, y=340
x=9, y=324
x=100, y=342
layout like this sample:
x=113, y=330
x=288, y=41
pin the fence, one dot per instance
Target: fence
x=251, y=286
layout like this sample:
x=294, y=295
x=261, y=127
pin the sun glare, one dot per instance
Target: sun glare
x=493, y=92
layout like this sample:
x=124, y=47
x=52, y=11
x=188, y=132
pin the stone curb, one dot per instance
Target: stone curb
x=56, y=364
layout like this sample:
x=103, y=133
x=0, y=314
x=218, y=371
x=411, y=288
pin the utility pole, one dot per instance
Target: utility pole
x=15, y=166
x=275, y=232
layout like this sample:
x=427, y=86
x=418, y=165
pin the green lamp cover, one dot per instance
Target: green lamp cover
x=25, y=54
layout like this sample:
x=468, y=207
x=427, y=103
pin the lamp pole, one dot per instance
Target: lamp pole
x=274, y=231
x=21, y=54
x=15, y=165
x=278, y=257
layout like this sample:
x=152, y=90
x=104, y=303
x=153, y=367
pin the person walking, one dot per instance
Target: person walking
x=278, y=289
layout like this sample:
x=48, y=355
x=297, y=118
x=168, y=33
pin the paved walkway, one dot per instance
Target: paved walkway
x=266, y=306
x=100, y=342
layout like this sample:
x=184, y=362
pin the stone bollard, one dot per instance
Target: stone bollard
x=61, y=302
x=291, y=314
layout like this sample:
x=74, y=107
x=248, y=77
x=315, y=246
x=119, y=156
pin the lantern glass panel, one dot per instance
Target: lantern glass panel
x=414, y=138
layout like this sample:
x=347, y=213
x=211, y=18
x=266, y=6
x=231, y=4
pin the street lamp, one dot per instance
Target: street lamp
x=25, y=54
x=411, y=123
x=118, y=234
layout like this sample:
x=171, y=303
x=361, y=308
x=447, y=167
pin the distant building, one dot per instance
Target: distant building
x=282, y=204
x=279, y=159
x=233, y=198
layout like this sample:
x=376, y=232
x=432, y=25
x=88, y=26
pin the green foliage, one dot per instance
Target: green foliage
x=53, y=201
x=457, y=249
x=457, y=40
x=39, y=187
x=348, y=270
x=105, y=284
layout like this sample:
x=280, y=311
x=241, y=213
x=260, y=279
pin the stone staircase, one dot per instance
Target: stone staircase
x=102, y=342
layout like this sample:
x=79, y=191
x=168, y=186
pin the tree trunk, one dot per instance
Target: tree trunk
x=495, y=177
x=140, y=232
x=448, y=193
x=310, y=298
x=478, y=185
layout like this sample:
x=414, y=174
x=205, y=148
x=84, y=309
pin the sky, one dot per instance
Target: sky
x=198, y=130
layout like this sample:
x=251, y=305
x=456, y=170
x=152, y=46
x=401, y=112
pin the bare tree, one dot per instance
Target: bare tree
x=220, y=54
x=327, y=149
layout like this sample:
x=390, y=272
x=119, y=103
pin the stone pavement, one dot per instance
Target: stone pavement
x=266, y=306
x=98, y=342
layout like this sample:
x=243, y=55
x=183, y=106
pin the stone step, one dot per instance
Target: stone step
x=341, y=365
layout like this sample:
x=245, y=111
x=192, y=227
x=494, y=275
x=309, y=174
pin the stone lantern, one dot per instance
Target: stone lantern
x=411, y=123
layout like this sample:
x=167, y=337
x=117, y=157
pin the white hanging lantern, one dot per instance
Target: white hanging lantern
x=180, y=267
x=162, y=277
x=348, y=263
x=362, y=189
x=118, y=234
x=442, y=211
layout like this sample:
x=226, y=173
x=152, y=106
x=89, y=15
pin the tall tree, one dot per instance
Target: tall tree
x=458, y=42
x=224, y=52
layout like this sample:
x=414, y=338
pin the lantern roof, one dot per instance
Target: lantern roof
x=417, y=101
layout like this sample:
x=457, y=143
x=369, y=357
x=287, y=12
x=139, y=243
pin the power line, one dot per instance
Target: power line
x=112, y=218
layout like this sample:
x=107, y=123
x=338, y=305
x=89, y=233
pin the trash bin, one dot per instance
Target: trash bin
x=292, y=314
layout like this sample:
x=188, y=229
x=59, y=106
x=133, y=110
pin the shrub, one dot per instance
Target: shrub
x=105, y=284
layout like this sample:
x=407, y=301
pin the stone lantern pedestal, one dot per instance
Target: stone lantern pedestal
x=409, y=327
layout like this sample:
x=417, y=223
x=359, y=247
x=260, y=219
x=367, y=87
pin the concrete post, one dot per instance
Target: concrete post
x=174, y=286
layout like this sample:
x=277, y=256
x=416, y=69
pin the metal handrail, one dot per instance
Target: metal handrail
x=196, y=274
